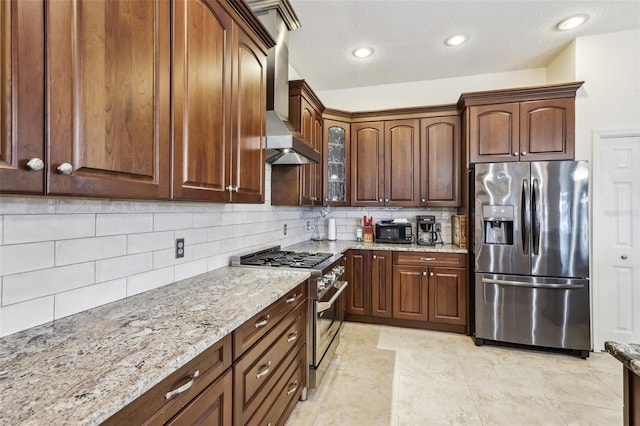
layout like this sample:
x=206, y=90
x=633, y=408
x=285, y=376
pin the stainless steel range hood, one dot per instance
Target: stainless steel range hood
x=284, y=146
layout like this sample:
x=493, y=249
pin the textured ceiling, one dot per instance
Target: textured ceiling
x=408, y=37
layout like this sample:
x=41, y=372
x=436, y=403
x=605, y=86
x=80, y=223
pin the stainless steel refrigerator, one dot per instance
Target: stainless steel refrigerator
x=531, y=251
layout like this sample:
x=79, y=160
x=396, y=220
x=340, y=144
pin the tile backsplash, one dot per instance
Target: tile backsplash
x=60, y=256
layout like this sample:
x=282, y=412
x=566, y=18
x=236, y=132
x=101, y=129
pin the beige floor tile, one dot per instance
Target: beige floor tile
x=586, y=415
x=516, y=410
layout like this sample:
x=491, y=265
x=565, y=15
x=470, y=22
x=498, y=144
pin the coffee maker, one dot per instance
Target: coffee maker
x=427, y=231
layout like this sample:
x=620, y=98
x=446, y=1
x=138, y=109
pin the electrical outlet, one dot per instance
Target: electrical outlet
x=308, y=225
x=285, y=229
x=437, y=227
x=179, y=248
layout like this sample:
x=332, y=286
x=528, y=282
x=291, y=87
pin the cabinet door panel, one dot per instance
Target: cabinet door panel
x=249, y=121
x=494, y=132
x=447, y=296
x=108, y=103
x=211, y=407
x=367, y=163
x=201, y=98
x=547, y=130
x=401, y=163
x=21, y=95
x=337, y=142
x=440, y=161
x=410, y=293
x=358, y=292
x=381, y=277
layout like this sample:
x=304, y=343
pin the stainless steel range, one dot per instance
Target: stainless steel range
x=326, y=307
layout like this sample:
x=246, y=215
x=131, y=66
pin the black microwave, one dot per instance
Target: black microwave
x=398, y=233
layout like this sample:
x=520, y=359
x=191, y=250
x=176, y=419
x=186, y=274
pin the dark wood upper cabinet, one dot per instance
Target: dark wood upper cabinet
x=248, y=119
x=108, y=98
x=523, y=124
x=401, y=163
x=22, y=156
x=201, y=101
x=367, y=164
x=440, y=146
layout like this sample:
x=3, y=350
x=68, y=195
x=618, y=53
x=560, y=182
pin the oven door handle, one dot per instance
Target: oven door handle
x=323, y=306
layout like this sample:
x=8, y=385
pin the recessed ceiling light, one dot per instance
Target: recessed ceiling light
x=363, y=52
x=456, y=39
x=572, y=22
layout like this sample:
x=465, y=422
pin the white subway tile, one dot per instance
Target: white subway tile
x=163, y=258
x=218, y=261
x=218, y=233
x=18, y=258
x=190, y=269
x=34, y=228
x=31, y=285
x=189, y=207
x=192, y=236
x=149, y=280
x=120, y=223
x=21, y=316
x=83, y=250
x=81, y=299
x=205, y=250
x=13, y=205
x=205, y=220
x=1, y=230
x=118, y=267
x=138, y=243
x=172, y=221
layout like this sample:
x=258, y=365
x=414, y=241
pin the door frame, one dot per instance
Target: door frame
x=599, y=136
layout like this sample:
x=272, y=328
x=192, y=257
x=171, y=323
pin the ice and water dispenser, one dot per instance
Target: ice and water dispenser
x=498, y=224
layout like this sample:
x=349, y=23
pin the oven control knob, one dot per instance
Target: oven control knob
x=322, y=283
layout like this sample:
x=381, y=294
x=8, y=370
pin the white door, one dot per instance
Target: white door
x=616, y=237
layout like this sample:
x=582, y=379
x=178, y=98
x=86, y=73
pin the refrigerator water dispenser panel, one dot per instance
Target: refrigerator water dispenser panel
x=498, y=224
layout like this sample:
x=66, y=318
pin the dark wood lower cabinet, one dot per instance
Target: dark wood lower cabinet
x=408, y=289
x=631, y=391
x=211, y=407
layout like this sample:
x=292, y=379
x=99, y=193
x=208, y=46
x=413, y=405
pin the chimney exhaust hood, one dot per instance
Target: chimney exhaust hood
x=284, y=146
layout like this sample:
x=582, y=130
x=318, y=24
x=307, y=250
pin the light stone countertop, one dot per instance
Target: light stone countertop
x=84, y=368
x=340, y=246
x=627, y=353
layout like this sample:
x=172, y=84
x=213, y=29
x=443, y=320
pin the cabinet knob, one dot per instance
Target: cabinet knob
x=423, y=201
x=229, y=188
x=424, y=273
x=374, y=256
x=237, y=188
x=524, y=153
x=515, y=154
x=386, y=200
x=326, y=199
x=431, y=274
x=65, y=168
x=380, y=200
x=35, y=164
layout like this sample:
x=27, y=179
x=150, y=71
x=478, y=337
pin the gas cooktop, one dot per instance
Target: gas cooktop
x=282, y=258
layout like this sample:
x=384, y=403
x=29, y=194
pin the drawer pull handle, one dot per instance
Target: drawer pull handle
x=263, y=322
x=264, y=371
x=428, y=259
x=184, y=387
x=292, y=388
x=292, y=299
x=293, y=336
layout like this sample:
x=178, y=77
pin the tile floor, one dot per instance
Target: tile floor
x=397, y=376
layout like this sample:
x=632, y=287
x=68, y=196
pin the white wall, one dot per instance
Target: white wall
x=609, y=64
x=428, y=92
x=562, y=68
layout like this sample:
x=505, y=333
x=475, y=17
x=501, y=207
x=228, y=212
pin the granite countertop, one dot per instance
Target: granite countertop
x=84, y=368
x=626, y=353
x=341, y=246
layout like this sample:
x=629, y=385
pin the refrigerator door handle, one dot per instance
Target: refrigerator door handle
x=535, y=200
x=525, y=216
x=533, y=285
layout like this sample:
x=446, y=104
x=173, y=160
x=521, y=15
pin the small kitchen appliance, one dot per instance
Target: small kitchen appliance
x=396, y=233
x=326, y=304
x=427, y=231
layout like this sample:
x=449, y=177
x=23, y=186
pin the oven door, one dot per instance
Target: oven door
x=328, y=314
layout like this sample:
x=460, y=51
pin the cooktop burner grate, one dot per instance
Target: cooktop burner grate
x=289, y=259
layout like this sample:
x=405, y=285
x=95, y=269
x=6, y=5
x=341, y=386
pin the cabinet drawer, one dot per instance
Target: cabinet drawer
x=259, y=369
x=153, y=407
x=429, y=259
x=279, y=403
x=252, y=330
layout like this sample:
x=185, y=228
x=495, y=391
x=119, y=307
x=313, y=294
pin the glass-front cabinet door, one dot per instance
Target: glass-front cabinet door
x=336, y=163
